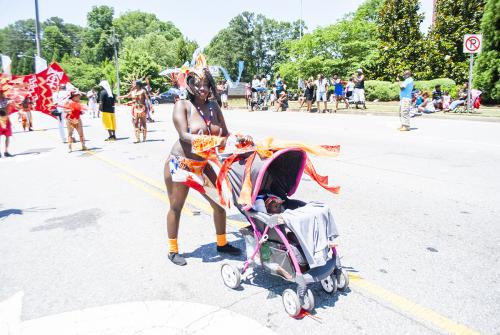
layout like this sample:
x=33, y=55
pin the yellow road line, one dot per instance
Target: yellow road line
x=153, y=183
x=160, y=196
x=412, y=308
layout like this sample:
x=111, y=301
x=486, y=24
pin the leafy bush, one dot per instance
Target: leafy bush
x=387, y=91
x=381, y=90
x=447, y=85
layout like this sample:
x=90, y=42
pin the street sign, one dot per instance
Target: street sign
x=473, y=43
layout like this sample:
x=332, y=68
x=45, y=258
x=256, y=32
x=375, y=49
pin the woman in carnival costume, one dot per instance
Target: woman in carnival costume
x=74, y=110
x=139, y=98
x=201, y=128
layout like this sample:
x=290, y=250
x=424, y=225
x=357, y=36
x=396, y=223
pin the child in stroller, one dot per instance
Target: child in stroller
x=288, y=238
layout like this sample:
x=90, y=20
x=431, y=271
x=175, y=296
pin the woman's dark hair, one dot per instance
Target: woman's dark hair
x=214, y=95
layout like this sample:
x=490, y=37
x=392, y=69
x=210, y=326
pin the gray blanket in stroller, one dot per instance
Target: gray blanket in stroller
x=314, y=227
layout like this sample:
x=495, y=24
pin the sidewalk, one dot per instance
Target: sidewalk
x=354, y=111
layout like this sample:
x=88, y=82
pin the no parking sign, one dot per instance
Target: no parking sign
x=473, y=43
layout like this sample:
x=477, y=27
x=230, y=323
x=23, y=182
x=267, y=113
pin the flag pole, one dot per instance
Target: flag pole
x=37, y=30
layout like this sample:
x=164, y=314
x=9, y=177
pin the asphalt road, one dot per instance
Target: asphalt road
x=418, y=215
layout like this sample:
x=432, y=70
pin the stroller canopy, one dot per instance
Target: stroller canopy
x=279, y=174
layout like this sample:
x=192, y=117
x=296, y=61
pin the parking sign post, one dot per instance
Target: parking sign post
x=472, y=45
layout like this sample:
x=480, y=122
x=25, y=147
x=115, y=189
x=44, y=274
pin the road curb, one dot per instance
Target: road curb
x=452, y=116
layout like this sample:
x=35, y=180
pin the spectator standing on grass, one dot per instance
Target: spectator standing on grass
x=405, y=97
x=339, y=92
x=279, y=85
x=272, y=99
x=309, y=93
x=349, y=90
x=321, y=87
x=359, y=89
x=248, y=93
x=263, y=85
x=255, y=83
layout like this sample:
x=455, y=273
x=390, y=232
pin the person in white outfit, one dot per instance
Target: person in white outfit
x=92, y=101
x=60, y=98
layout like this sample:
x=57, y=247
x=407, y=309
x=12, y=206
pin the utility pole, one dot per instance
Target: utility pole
x=300, y=19
x=114, y=40
x=37, y=30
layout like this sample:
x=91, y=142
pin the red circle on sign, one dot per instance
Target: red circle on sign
x=472, y=43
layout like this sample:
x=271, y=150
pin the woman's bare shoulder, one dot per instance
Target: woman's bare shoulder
x=181, y=106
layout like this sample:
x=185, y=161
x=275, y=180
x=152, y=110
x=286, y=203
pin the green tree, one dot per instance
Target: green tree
x=454, y=19
x=18, y=42
x=69, y=31
x=136, y=24
x=185, y=49
x=147, y=56
x=55, y=44
x=97, y=45
x=340, y=48
x=84, y=76
x=401, y=44
x=487, y=69
x=258, y=41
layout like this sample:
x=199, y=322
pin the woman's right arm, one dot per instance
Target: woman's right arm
x=181, y=122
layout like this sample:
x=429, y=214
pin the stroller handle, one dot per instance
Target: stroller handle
x=221, y=157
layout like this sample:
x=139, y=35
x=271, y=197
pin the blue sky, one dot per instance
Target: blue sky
x=199, y=20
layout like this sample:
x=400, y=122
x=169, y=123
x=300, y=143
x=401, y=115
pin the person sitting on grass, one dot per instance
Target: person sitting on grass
x=282, y=102
x=437, y=97
x=446, y=101
x=462, y=96
x=427, y=106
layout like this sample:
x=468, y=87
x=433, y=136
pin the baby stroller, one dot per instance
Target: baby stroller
x=271, y=242
x=257, y=102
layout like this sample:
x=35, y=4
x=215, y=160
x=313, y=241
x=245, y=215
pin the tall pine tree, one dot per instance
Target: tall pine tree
x=454, y=19
x=401, y=44
x=486, y=71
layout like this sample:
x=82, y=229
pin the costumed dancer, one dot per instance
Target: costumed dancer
x=25, y=115
x=6, y=107
x=201, y=128
x=73, y=119
x=139, y=96
x=107, y=108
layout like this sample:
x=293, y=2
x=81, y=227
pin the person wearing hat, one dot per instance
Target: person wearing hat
x=359, y=89
x=6, y=107
x=73, y=119
x=107, y=108
x=201, y=128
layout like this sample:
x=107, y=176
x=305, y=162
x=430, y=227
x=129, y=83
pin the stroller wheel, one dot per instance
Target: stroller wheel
x=230, y=276
x=329, y=284
x=291, y=302
x=308, y=301
x=342, y=279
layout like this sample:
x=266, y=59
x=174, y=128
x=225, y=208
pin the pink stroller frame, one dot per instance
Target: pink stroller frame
x=268, y=235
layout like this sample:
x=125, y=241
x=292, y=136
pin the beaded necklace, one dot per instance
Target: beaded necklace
x=208, y=121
